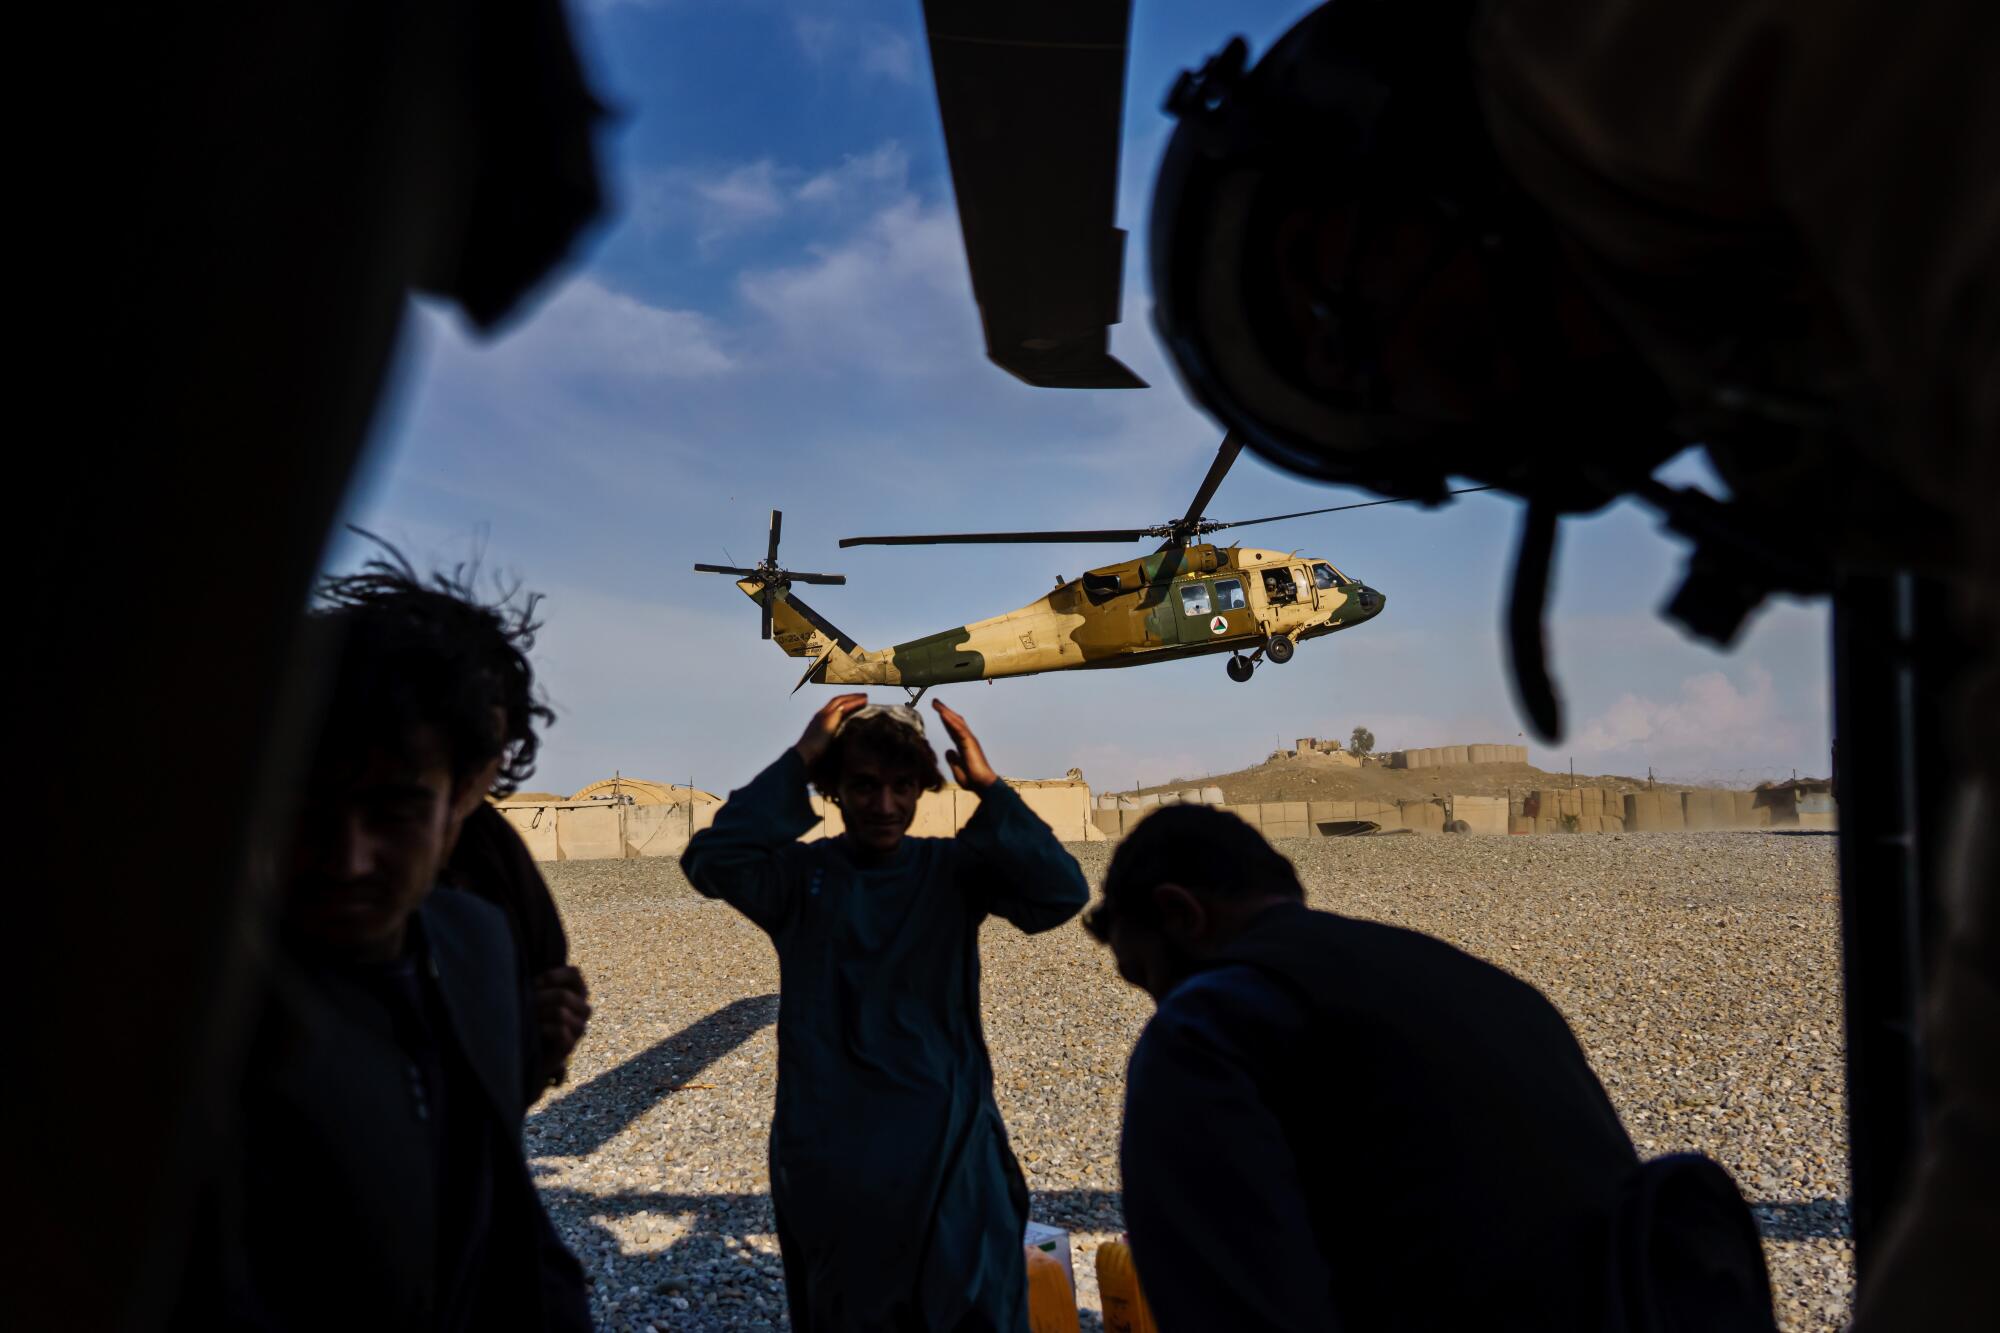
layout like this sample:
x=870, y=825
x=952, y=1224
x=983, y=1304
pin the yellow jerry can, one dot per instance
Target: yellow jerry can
x=1125, y=1309
x=1051, y=1302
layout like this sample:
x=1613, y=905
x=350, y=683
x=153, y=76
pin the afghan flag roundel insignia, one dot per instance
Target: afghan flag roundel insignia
x=1217, y=625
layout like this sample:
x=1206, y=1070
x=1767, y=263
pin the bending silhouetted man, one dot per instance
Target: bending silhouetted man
x=899, y=1204
x=1331, y=1123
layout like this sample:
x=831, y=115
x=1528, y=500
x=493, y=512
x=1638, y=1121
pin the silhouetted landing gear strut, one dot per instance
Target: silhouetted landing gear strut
x=915, y=694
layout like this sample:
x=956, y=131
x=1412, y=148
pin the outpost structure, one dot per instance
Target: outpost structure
x=622, y=818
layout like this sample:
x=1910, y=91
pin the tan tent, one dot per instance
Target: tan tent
x=530, y=798
x=643, y=792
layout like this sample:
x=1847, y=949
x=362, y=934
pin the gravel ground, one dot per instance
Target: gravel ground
x=1700, y=972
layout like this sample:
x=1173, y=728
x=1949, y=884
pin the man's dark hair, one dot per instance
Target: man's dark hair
x=882, y=738
x=1194, y=846
x=419, y=652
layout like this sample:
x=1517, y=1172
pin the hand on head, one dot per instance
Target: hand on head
x=968, y=760
x=825, y=725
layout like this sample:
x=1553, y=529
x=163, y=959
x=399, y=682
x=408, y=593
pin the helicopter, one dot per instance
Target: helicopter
x=1189, y=598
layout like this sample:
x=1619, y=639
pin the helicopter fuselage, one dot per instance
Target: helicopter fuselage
x=1180, y=601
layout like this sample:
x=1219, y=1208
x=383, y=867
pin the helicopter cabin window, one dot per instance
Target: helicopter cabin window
x=1194, y=599
x=1279, y=587
x=1326, y=576
x=1229, y=595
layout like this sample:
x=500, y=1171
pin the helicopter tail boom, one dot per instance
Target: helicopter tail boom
x=796, y=628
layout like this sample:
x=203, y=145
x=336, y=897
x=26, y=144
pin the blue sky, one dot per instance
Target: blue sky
x=778, y=315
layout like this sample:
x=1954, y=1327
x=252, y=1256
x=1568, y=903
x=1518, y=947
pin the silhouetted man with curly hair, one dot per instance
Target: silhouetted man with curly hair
x=899, y=1204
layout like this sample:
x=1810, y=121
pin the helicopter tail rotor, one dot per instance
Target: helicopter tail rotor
x=776, y=581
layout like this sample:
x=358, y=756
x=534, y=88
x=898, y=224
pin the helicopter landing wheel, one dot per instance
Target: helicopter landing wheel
x=1280, y=650
x=1240, y=669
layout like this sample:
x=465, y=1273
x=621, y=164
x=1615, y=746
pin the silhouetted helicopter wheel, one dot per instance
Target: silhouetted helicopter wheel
x=1240, y=668
x=1280, y=650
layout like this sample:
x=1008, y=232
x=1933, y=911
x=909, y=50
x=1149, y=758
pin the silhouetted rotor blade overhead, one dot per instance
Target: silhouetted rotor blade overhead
x=1031, y=94
x=1225, y=457
x=1007, y=538
x=729, y=569
x=765, y=602
x=777, y=525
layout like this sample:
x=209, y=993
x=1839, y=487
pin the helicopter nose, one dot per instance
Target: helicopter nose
x=1371, y=601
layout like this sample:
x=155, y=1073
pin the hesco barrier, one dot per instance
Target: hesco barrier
x=591, y=830
x=601, y=830
x=1451, y=756
x=1556, y=810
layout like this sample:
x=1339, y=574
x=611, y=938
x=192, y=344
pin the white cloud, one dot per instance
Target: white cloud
x=720, y=204
x=818, y=37
x=1713, y=724
x=590, y=329
x=888, y=54
x=887, y=167
x=868, y=48
x=893, y=298
x=746, y=194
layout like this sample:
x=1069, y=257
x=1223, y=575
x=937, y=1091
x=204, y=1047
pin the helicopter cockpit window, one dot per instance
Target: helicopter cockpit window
x=1326, y=576
x=1229, y=595
x=1279, y=588
x=1194, y=599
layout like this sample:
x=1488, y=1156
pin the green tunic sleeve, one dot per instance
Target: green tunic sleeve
x=1011, y=865
x=745, y=857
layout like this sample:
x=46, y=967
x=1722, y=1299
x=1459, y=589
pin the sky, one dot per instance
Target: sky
x=777, y=314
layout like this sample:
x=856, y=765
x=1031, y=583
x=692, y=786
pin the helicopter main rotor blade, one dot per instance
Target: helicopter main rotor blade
x=1015, y=538
x=1335, y=509
x=780, y=576
x=1232, y=445
x=777, y=526
x=765, y=601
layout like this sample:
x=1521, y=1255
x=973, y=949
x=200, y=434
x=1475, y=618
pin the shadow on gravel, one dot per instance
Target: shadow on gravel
x=1802, y=1219
x=750, y=1214
x=710, y=1278
x=603, y=1107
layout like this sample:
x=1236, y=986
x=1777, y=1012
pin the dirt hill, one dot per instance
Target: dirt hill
x=1313, y=777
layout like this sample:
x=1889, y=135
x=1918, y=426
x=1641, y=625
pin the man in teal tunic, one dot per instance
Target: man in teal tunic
x=899, y=1204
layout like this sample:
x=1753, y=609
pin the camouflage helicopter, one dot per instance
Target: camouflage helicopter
x=1189, y=598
